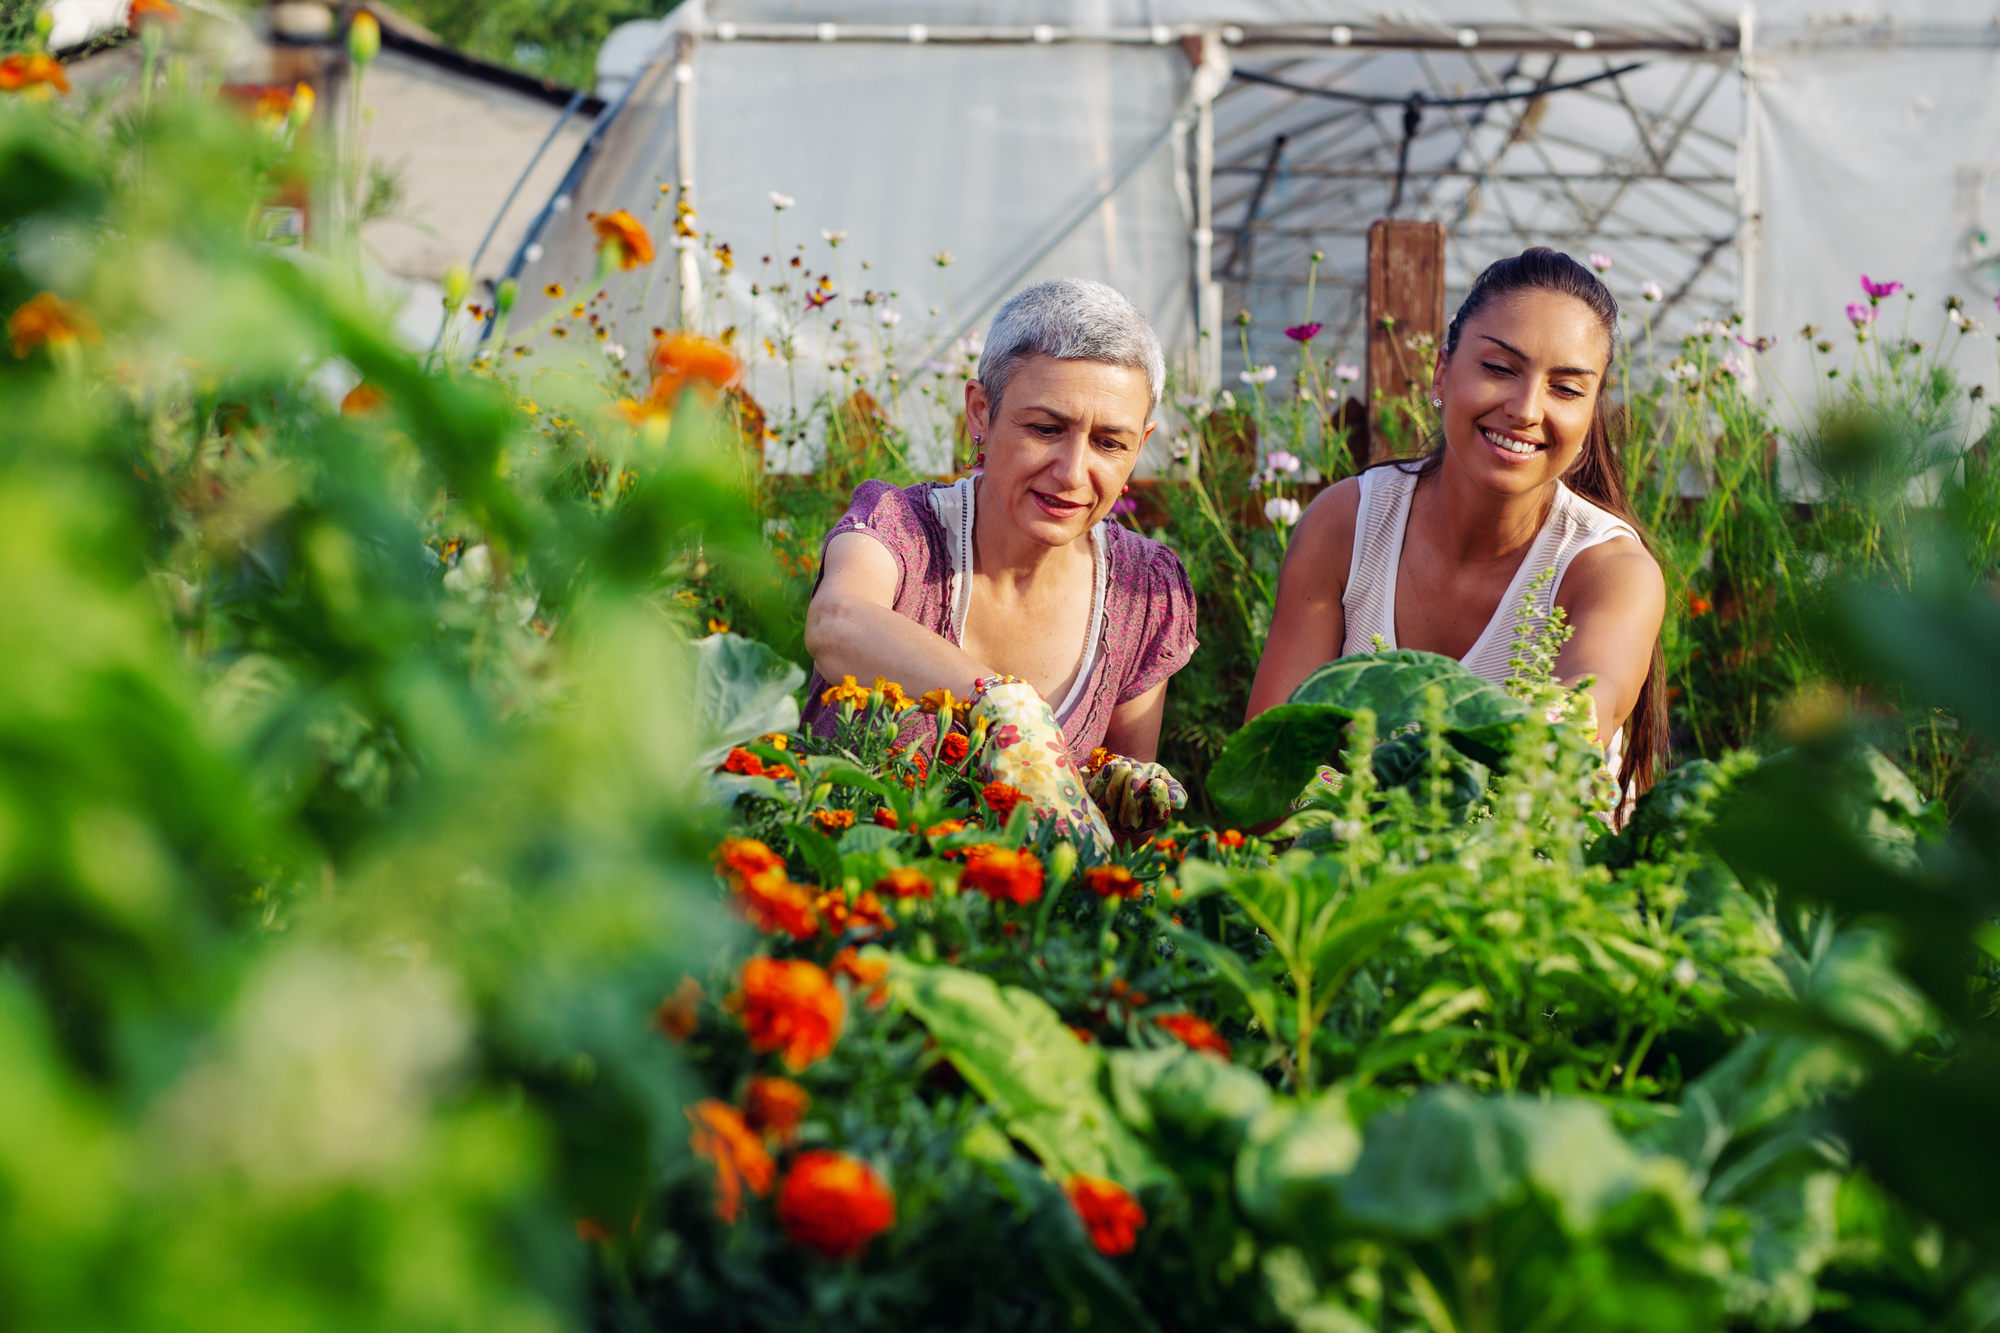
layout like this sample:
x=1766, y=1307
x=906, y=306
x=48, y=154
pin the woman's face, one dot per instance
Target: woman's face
x=1520, y=390
x=1061, y=445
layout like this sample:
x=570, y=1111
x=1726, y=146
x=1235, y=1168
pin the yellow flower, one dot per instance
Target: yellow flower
x=717, y=626
x=777, y=740
x=892, y=694
x=847, y=692
x=938, y=700
x=554, y=291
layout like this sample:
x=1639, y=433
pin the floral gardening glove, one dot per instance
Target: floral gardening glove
x=1325, y=787
x=1025, y=749
x=1135, y=796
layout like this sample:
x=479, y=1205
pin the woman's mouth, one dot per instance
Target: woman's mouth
x=1057, y=507
x=1512, y=445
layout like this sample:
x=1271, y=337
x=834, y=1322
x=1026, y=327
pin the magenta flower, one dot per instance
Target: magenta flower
x=1860, y=316
x=1877, y=290
x=1303, y=333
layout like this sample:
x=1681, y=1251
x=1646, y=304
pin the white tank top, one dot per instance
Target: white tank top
x=1573, y=526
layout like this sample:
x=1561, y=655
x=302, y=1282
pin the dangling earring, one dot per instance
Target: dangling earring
x=979, y=461
x=1126, y=490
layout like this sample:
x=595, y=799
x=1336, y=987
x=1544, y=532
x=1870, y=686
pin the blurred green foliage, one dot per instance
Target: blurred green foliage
x=551, y=39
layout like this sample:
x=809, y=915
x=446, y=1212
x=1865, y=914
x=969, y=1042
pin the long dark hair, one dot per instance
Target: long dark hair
x=1598, y=475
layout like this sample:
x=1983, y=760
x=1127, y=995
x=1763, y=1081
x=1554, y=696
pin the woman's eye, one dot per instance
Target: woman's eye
x=1498, y=369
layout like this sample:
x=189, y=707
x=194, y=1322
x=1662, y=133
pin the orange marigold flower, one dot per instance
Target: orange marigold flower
x=680, y=1013
x=777, y=740
x=720, y=1135
x=834, y=1204
x=847, y=692
x=866, y=975
x=682, y=359
x=774, y=1107
x=747, y=858
x=1002, y=799
x=1698, y=605
x=1229, y=840
x=363, y=400
x=621, y=231
x=791, y=1006
x=945, y=829
x=885, y=818
x=35, y=73
x=905, y=882
x=863, y=916
x=142, y=11
x=1099, y=757
x=1111, y=1216
x=781, y=772
x=915, y=759
x=776, y=904
x=1169, y=848
x=953, y=748
x=742, y=763
x=938, y=700
x=47, y=318
x=1112, y=882
x=831, y=821
x=1196, y=1032
x=892, y=694
x=1003, y=873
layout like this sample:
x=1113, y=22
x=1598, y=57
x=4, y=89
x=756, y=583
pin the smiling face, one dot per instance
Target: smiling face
x=1061, y=445
x=1520, y=389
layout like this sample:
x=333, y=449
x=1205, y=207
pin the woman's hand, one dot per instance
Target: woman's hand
x=1134, y=795
x=1025, y=749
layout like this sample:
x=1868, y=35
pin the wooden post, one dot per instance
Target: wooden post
x=1405, y=298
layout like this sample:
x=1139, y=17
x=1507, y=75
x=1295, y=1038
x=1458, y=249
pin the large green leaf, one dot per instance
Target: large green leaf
x=1041, y=1081
x=1477, y=713
x=741, y=690
x=1191, y=1105
x=1289, y=1173
x=1264, y=765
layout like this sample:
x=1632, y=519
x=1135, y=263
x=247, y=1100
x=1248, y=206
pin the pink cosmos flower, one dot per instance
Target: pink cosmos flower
x=1860, y=316
x=1601, y=262
x=1877, y=290
x=1303, y=333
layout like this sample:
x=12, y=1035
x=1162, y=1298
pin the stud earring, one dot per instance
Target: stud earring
x=1437, y=402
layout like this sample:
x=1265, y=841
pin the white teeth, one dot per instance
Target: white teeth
x=1511, y=446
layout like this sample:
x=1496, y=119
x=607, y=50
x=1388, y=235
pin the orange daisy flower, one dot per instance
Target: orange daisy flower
x=720, y=1135
x=774, y=905
x=866, y=975
x=681, y=359
x=1229, y=840
x=621, y=231
x=791, y=1006
x=885, y=818
x=1003, y=873
x=742, y=763
x=847, y=692
x=363, y=400
x=834, y=1204
x=1110, y=1214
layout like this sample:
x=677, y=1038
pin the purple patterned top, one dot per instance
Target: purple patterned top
x=1148, y=631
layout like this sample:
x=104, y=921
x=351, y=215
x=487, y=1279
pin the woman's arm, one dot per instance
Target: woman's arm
x=1616, y=599
x=853, y=629
x=1308, y=624
x=1135, y=725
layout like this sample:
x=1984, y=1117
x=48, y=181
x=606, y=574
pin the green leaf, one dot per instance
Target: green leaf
x=1289, y=1173
x=1477, y=712
x=742, y=689
x=1264, y=766
x=863, y=839
x=1262, y=997
x=819, y=851
x=1042, y=1082
x=1191, y=1105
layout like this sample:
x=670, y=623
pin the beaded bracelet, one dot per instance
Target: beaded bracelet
x=985, y=683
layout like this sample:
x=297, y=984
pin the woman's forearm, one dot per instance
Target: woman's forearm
x=849, y=636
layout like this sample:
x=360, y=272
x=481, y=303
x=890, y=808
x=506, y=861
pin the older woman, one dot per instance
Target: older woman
x=1009, y=588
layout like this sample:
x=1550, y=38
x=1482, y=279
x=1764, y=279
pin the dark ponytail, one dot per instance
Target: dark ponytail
x=1598, y=475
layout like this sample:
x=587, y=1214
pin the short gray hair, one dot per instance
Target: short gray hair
x=1070, y=319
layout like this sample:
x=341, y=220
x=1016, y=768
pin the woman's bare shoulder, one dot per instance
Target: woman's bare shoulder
x=1331, y=517
x=1317, y=556
x=1620, y=569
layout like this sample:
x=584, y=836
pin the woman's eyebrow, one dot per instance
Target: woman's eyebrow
x=1558, y=370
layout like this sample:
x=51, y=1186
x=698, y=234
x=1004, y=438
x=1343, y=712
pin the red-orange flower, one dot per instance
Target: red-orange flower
x=1111, y=1216
x=1002, y=799
x=885, y=818
x=742, y=763
x=720, y=1135
x=1112, y=882
x=778, y=905
x=944, y=829
x=864, y=916
x=832, y=821
x=47, y=318
x=834, y=1203
x=791, y=1006
x=1698, y=605
x=747, y=858
x=1099, y=757
x=363, y=400
x=1003, y=873
x=621, y=231
x=905, y=882
x=142, y=11
x=953, y=748
x=681, y=359
x=680, y=1013
x=32, y=73
x=1198, y=1033
x=774, y=1107
x=866, y=975
x=1229, y=840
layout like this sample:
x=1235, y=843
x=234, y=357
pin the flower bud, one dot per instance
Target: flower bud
x=303, y=101
x=503, y=298
x=1062, y=864
x=45, y=23
x=364, y=38
x=457, y=283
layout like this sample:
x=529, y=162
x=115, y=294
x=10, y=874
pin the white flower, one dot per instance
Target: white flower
x=1682, y=370
x=1684, y=973
x=1278, y=460
x=1348, y=373
x=1709, y=328
x=472, y=573
x=1259, y=375
x=781, y=202
x=1601, y=262
x=1179, y=448
x=971, y=345
x=1732, y=367
x=1281, y=512
x=1965, y=321
x=938, y=367
x=889, y=319
x=616, y=351
x=832, y=237
x=1650, y=290
x=1226, y=401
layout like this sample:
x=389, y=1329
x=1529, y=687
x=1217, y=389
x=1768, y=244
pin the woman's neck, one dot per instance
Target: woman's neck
x=1470, y=525
x=1004, y=555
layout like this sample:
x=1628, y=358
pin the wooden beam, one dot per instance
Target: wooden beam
x=1405, y=299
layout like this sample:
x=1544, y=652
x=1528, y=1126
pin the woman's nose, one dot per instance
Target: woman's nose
x=1071, y=464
